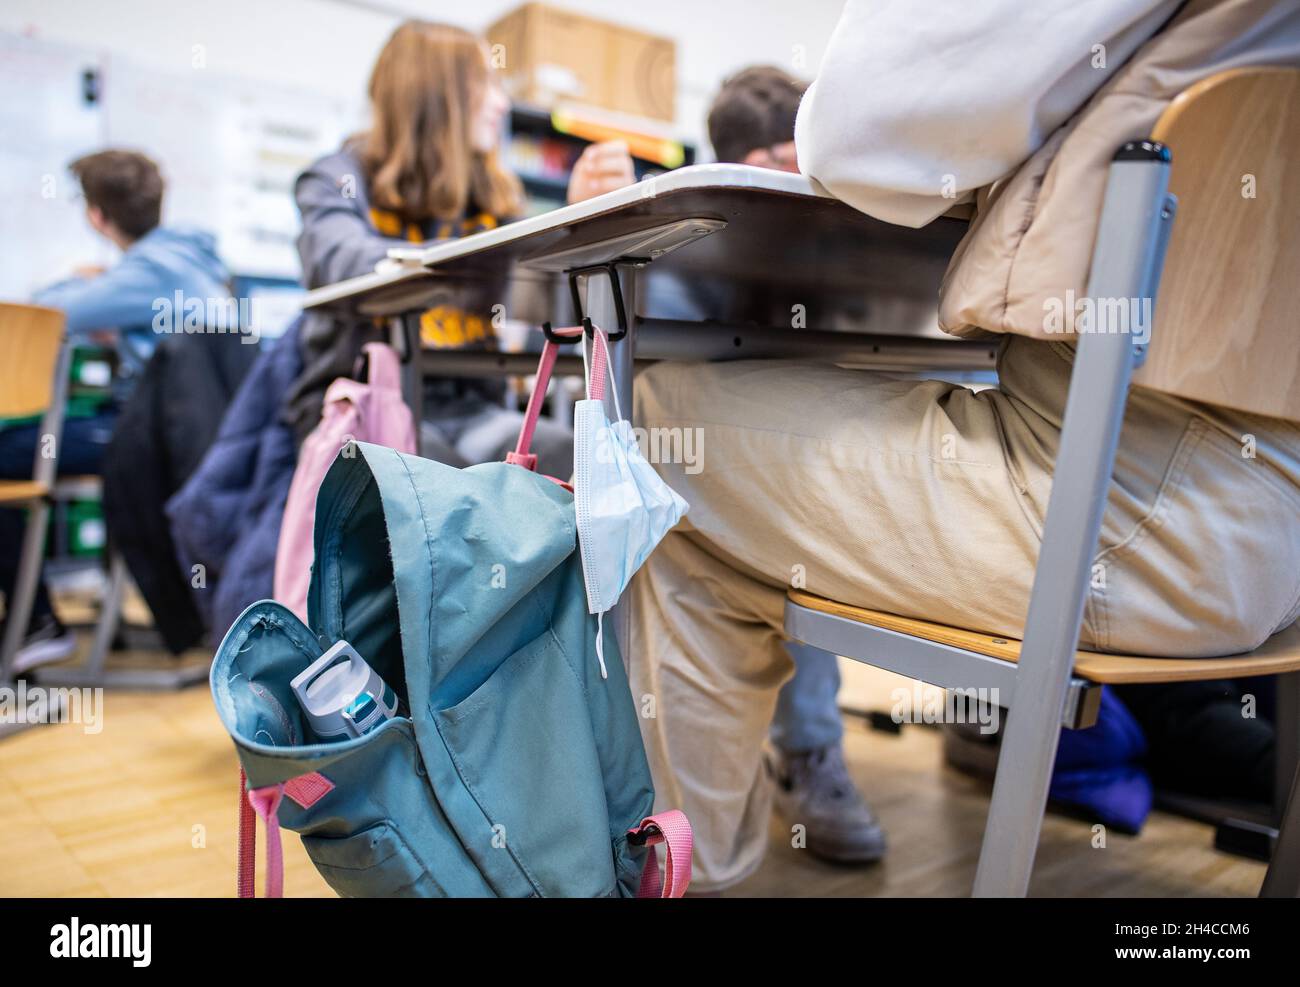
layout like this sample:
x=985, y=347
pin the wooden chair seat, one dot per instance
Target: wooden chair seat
x=20, y=491
x=1280, y=653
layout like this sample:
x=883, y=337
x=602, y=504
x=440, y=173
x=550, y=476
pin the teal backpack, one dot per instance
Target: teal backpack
x=513, y=768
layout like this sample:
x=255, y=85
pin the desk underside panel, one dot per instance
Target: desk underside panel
x=777, y=251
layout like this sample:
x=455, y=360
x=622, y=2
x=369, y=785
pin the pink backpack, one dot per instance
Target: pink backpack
x=369, y=412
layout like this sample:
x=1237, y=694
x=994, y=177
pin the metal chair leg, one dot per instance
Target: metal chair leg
x=1126, y=263
x=1283, y=877
x=109, y=615
x=1025, y=763
x=94, y=673
x=19, y=609
x=1287, y=730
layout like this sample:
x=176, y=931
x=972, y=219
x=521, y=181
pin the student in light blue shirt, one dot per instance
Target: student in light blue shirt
x=126, y=306
x=123, y=192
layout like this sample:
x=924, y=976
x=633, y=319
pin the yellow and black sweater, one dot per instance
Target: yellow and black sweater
x=441, y=326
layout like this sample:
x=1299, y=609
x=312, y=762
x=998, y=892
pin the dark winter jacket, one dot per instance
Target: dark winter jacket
x=164, y=430
x=227, y=516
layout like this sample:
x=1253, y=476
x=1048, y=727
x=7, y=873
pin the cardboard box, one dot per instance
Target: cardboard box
x=549, y=56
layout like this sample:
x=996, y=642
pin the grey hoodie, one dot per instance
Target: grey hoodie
x=339, y=241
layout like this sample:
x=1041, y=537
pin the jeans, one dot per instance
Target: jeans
x=81, y=453
x=807, y=717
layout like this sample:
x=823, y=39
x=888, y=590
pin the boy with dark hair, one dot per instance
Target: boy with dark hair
x=752, y=118
x=124, y=194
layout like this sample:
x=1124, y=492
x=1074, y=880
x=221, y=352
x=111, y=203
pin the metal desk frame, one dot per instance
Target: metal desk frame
x=604, y=273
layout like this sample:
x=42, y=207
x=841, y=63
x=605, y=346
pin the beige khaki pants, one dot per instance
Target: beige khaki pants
x=924, y=499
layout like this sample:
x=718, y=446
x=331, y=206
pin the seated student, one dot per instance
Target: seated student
x=752, y=122
x=842, y=472
x=124, y=193
x=426, y=170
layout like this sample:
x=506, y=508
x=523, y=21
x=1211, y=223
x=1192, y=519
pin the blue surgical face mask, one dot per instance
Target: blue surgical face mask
x=624, y=508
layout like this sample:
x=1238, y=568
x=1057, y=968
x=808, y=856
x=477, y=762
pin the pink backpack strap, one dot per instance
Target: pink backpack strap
x=672, y=829
x=521, y=456
x=383, y=373
x=384, y=367
x=595, y=389
x=264, y=802
x=247, y=842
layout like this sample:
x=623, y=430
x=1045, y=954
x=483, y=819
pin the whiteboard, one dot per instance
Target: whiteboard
x=44, y=124
x=229, y=150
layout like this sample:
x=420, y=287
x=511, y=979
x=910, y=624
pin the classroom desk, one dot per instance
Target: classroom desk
x=706, y=262
x=703, y=263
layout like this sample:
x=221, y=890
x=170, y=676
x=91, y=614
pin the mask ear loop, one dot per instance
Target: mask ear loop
x=600, y=340
x=609, y=364
x=586, y=366
x=600, y=643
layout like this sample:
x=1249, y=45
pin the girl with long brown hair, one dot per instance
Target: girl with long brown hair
x=426, y=169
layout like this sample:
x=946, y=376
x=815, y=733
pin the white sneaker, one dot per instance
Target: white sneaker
x=50, y=642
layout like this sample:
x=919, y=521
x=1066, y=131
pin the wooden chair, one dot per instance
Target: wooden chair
x=1225, y=318
x=34, y=358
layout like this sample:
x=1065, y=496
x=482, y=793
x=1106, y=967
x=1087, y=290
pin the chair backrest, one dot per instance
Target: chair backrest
x=29, y=352
x=1231, y=284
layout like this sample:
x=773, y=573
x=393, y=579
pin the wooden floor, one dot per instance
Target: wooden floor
x=146, y=807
